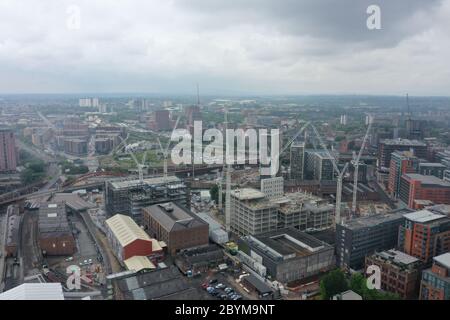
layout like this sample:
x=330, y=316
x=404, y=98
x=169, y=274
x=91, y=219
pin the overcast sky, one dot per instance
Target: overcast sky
x=229, y=47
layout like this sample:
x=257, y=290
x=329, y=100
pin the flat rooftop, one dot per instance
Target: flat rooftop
x=370, y=221
x=150, y=181
x=403, y=142
x=443, y=259
x=428, y=180
x=397, y=257
x=247, y=194
x=173, y=217
x=287, y=243
x=423, y=216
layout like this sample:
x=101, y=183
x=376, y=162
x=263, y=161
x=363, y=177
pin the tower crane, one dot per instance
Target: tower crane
x=356, y=164
x=340, y=173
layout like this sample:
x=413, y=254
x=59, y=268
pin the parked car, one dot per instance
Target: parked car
x=227, y=289
x=213, y=281
x=220, y=286
x=223, y=297
x=205, y=285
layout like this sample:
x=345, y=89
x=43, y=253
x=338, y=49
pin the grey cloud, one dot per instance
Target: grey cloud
x=341, y=21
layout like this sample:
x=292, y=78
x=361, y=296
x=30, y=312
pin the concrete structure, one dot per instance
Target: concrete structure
x=388, y=146
x=297, y=161
x=435, y=284
x=128, y=240
x=273, y=187
x=400, y=273
x=55, y=234
x=425, y=234
x=357, y=238
x=217, y=233
x=8, y=151
x=176, y=226
x=252, y=212
x=129, y=197
x=305, y=212
x=288, y=254
x=418, y=187
x=401, y=162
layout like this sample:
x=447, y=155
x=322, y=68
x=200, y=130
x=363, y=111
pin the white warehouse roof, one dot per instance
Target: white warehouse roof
x=34, y=291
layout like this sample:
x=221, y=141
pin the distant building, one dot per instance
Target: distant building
x=252, y=212
x=288, y=255
x=176, y=226
x=104, y=145
x=425, y=234
x=318, y=166
x=160, y=121
x=129, y=197
x=55, y=234
x=435, y=284
x=128, y=240
x=401, y=162
x=357, y=238
x=8, y=151
x=419, y=187
x=75, y=146
x=415, y=129
x=297, y=161
x=432, y=169
x=400, y=272
x=273, y=187
x=388, y=146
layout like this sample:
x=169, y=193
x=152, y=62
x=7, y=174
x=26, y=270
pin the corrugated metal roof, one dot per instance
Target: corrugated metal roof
x=34, y=291
x=139, y=263
x=126, y=230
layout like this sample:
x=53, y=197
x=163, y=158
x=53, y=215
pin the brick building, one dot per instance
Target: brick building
x=55, y=235
x=400, y=272
x=425, y=234
x=129, y=240
x=176, y=226
x=8, y=151
x=435, y=284
x=419, y=187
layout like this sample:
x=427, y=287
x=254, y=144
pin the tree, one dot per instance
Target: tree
x=358, y=283
x=333, y=283
x=214, y=192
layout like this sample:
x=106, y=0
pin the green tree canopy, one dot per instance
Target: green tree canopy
x=333, y=283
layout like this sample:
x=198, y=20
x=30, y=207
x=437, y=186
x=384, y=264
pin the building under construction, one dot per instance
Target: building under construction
x=128, y=197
